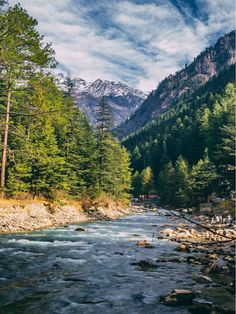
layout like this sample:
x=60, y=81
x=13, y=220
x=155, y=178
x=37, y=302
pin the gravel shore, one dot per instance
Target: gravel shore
x=29, y=217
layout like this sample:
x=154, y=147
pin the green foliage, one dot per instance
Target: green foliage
x=52, y=148
x=113, y=162
x=174, y=145
x=136, y=184
x=167, y=184
x=182, y=182
x=203, y=177
x=22, y=51
x=147, y=181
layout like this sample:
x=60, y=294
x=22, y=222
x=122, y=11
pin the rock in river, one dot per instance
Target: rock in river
x=178, y=297
x=80, y=229
x=145, y=244
x=146, y=263
x=202, y=278
x=182, y=248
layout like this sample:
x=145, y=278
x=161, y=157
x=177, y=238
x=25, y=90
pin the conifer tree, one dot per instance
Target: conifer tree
x=113, y=162
x=147, y=181
x=22, y=53
x=203, y=176
x=136, y=184
x=167, y=184
x=38, y=165
x=182, y=182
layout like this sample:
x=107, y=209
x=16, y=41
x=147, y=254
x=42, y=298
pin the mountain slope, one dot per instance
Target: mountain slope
x=124, y=100
x=191, y=141
x=208, y=64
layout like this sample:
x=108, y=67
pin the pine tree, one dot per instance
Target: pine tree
x=38, y=166
x=104, y=142
x=136, y=184
x=113, y=162
x=147, y=181
x=182, y=182
x=203, y=176
x=22, y=54
x=167, y=185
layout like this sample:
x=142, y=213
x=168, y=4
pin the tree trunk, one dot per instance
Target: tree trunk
x=5, y=144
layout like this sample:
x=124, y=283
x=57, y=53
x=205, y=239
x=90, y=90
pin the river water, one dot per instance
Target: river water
x=61, y=270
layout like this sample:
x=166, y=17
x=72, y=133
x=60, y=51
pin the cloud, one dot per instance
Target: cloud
x=137, y=42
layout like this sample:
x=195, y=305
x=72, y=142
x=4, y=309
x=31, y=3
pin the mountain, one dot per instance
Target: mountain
x=123, y=99
x=207, y=65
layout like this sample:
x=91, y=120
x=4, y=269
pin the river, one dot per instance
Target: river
x=61, y=270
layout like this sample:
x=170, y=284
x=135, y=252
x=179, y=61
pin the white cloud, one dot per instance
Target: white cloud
x=143, y=44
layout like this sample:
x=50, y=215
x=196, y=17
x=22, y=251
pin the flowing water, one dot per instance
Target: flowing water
x=62, y=270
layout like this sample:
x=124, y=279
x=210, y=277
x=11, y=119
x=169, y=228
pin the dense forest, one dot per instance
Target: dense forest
x=48, y=146
x=188, y=152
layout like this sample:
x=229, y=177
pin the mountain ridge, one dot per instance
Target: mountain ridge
x=207, y=64
x=124, y=100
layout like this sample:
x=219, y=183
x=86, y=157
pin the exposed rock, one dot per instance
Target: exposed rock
x=209, y=63
x=182, y=248
x=146, y=263
x=32, y=216
x=168, y=232
x=80, y=229
x=202, y=278
x=124, y=100
x=178, y=297
x=145, y=244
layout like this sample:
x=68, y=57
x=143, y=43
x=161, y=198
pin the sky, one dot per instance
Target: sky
x=137, y=42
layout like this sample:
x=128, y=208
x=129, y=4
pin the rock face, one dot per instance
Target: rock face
x=123, y=99
x=209, y=63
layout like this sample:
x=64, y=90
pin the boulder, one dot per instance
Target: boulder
x=182, y=248
x=80, y=229
x=146, y=263
x=145, y=244
x=202, y=278
x=178, y=297
x=168, y=232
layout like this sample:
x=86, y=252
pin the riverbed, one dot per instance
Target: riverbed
x=61, y=270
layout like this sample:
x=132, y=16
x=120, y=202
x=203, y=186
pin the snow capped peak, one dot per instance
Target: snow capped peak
x=123, y=99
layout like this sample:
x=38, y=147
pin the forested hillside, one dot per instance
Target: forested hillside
x=48, y=146
x=188, y=152
x=176, y=86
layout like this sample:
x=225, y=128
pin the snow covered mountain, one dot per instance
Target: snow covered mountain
x=124, y=100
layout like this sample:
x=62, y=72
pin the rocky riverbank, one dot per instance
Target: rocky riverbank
x=209, y=251
x=32, y=216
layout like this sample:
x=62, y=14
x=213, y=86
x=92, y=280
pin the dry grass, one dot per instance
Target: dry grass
x=84, y=203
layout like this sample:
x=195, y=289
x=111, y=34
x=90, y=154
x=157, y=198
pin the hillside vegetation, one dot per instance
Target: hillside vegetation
x=189, y=150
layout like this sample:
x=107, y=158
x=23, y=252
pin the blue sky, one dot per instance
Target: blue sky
x=133, y=41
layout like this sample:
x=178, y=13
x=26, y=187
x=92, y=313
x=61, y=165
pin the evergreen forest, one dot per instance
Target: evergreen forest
x=188, y=153
x=49, y=149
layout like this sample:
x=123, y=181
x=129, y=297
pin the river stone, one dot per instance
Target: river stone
x=202, y=278
x=145, y=244
x=178, y=297
x=80, y=229
x=146, y=263
x=182, y=248
x=168, y=231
